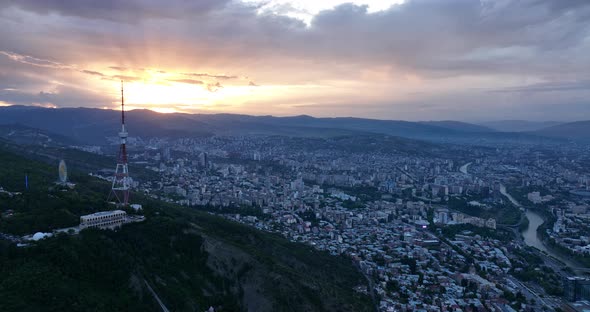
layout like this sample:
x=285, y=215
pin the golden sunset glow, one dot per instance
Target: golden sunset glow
x=391, y=59
x=158, y=94
x=169, y=97
x=161, y=93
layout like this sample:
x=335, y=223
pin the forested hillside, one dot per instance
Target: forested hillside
x=191, y=259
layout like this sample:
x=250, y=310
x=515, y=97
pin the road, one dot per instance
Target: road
x=464, y=168
x=371, y=288
x=527, y=292
x=162, y=306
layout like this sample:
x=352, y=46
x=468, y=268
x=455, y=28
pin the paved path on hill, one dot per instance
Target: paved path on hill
x=164, y=309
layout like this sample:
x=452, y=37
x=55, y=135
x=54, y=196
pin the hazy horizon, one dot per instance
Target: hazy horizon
x=476, y=122
x=415, y=60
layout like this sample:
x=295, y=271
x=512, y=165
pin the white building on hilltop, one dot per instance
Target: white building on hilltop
x=103, y=219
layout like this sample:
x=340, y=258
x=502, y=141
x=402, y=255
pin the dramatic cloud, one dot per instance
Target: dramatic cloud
x=214, y=87
x=224, y=77
x=29, y=60
x=60, y=96
x=550, y=87
x=91, y=72
x=189, y=81
x=413, y=59
x=120, y=11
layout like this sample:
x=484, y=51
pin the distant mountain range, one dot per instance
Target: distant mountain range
x=579, y=130
x=24, y=135
x=95, y=126
x=458, y=125
x=519, y=125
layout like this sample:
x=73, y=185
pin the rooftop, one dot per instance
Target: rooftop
x=104, y=213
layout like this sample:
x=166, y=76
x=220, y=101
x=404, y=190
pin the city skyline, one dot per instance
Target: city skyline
x=409, y=60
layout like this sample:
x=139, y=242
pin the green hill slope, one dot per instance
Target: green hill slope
x=191, y=259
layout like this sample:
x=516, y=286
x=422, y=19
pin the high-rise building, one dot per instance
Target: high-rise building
x=442, y=216
x=204, y=160
x=166, y=154
x=576, y=288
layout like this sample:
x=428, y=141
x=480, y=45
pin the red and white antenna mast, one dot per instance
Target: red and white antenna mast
x=121, y=180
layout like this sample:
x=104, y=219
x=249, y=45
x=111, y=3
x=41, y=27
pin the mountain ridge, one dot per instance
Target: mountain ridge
x=96, y=125
x=578, y=130
x=519, y=125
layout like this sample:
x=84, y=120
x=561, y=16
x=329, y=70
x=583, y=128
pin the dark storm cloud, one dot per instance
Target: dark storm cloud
x=419, y=33
x=563, y=4
x=115, y=10
x=431, y=36
x=437, y=35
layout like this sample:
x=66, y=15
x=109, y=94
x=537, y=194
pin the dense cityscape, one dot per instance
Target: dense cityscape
x=437, y=230
x=432, y=226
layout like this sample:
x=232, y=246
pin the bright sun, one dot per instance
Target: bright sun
x=170, y=97
x=160, y=94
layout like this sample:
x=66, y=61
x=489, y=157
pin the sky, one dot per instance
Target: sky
x=470, y=60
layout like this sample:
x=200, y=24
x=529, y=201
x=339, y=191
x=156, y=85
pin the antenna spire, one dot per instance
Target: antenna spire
x=122, y=105
x=121, y=180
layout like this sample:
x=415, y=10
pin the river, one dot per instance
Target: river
x=532, y=239
x=535, y=220
x=512, y=200
x=530, y=234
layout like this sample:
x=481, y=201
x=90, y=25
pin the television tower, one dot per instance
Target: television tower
x=121, y=180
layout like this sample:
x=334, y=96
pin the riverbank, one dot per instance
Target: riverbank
x=531, y=238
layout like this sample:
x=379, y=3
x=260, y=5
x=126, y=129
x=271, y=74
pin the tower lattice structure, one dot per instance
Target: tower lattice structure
x=121, y=180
